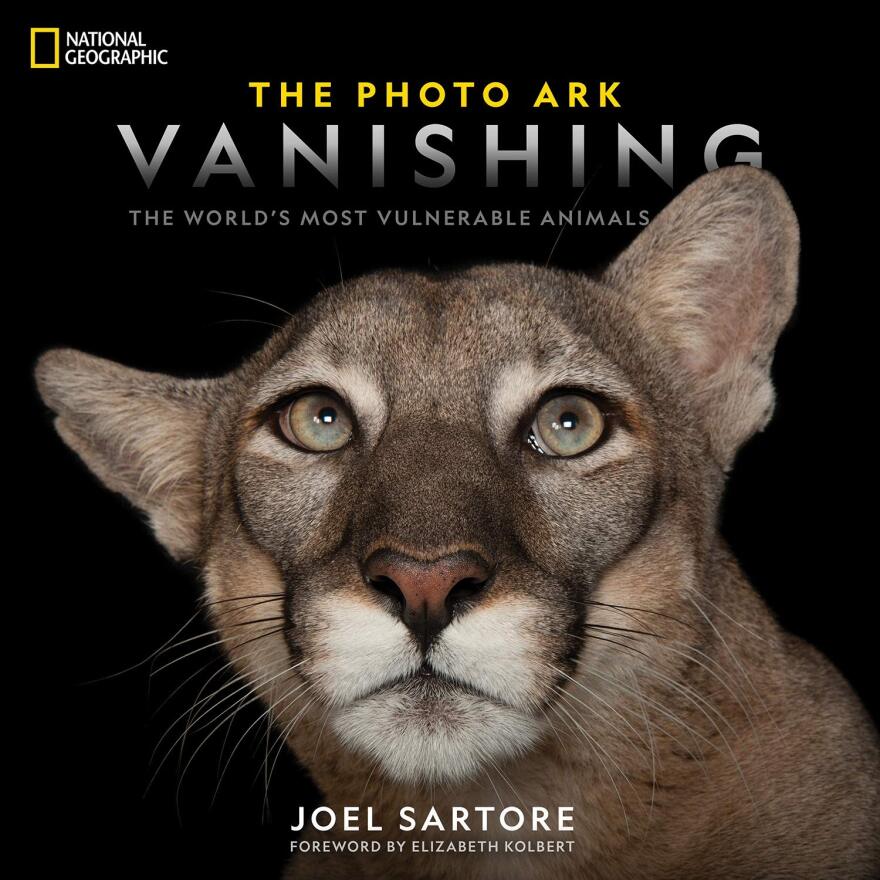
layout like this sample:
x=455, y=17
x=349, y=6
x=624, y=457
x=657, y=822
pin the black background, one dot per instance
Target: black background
x=92, y=594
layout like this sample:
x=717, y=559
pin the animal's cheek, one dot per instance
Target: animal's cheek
x=290, y=503
x=245, y=602
x=351, y=647
x=579, y=521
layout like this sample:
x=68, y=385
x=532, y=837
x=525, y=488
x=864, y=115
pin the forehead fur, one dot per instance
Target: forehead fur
x=407, y=330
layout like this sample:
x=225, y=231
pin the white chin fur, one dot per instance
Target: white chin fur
x=429, y=734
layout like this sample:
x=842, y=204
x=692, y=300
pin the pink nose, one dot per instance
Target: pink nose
x=427, y=591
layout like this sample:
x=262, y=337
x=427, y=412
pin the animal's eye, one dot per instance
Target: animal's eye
x=317, y=421
x=566, y=425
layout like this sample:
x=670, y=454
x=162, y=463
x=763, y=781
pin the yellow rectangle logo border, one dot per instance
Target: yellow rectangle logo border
x=57, y=33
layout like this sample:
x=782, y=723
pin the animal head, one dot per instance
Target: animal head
x=411, y=502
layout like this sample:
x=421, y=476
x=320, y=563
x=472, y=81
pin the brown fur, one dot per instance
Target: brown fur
x=619, y=661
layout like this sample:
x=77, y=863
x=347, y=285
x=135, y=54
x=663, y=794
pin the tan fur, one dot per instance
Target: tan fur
x=618, y=662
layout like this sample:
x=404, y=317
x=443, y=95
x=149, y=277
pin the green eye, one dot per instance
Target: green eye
x=566, y=425
x=318, y=422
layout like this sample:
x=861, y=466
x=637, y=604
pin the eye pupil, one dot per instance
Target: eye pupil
x=568, y=420
x=327, y=416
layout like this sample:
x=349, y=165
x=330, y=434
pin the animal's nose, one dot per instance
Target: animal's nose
x=427, y=591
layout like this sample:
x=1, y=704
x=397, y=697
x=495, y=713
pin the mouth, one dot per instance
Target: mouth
x=429, y=686
x=428, y=728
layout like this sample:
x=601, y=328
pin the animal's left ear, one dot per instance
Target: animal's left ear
x=714, y=277
x=142, y=434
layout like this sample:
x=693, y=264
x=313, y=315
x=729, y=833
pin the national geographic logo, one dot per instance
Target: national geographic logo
x=92, y=49
x=45, y=44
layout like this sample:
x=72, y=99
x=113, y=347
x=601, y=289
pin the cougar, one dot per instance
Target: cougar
x=459, y=533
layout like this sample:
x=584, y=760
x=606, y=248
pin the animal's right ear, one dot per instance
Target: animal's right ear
x=140, y=433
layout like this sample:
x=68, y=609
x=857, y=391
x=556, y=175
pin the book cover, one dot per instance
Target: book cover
x=437, y=456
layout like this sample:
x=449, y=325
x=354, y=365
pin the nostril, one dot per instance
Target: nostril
x=465, y=589
x=386, y=586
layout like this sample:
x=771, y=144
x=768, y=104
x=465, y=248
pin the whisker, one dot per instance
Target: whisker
x=146, y=659
x=746, y=711
x=321, y=731
x=503, y=775
x=272, y=619
x=610, y=641
x=265, y=714
x=696, y=699
x=267, y=596
x=247, y=321
x=564, y=226
x=338, y=262
x=369, y=777
x=553, y=728
x=622, y=629
x=236, y=680
x=604, y=703
x=253, y=299
x=592, y=745
x=631, y=608
x=219, y=641
x=279, y=746
x=492, y=783
x=250, y=697
x=735, y=660
x=187, y=716
x=663, y=710
x=653, y=749
x=202, y=745
x=185, y=682
x=733, y=620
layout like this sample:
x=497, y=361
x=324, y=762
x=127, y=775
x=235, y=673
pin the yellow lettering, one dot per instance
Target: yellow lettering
x=391, y=94
x=606, y=94
x=463, y=91
x=296, y=94
x=323, y=96
x=576, y=93
x=546, y=96
x=432, y=86
x=366, y=91
x=495, y=87
x=259, y=86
